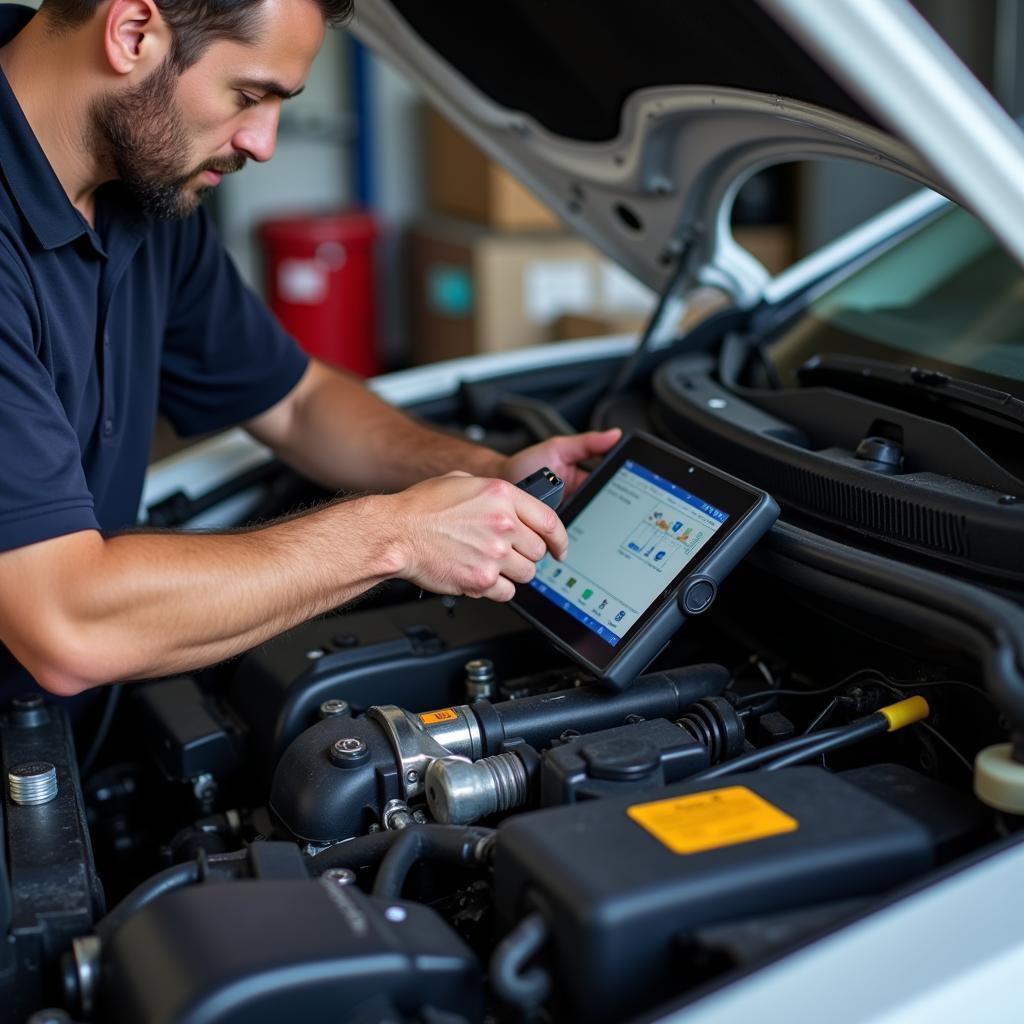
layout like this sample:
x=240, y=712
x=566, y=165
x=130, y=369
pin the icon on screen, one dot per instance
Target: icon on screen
x=659, y=556
x=620, y=615
x=571, y=581
x=588, y=594
x=676, y=526
x=556, y=573
x=604, y=604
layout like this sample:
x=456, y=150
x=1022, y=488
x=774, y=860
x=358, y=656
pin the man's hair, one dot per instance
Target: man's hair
x=195, y=23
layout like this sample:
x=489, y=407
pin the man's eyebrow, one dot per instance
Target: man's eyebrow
x=269, y=87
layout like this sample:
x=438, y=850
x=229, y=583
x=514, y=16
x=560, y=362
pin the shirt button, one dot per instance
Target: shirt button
x=108, y=428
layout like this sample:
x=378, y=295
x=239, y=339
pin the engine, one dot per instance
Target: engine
x=417, y=811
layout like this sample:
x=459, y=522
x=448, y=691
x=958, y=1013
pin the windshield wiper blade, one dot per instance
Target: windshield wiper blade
x=854, y=373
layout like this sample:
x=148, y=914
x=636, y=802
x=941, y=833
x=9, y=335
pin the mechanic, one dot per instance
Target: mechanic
x=116, y=300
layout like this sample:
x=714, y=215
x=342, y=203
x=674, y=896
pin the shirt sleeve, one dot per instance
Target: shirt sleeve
x=225, y=357
x=43, y=490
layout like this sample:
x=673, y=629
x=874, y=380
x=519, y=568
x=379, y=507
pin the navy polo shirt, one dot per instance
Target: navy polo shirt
x=101, y=327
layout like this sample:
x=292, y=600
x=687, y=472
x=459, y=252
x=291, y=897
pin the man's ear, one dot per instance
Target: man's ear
x=135, y=37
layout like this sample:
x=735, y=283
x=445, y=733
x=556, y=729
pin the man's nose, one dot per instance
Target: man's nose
x=258, y=137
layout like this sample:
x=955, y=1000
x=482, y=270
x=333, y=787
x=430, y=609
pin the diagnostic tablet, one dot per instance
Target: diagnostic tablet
x=652, y=534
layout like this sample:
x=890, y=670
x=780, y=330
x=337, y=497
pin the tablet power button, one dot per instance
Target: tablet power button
x=699, y=594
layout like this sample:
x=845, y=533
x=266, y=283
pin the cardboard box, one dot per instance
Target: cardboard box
x=474, y=290
x=464, y=182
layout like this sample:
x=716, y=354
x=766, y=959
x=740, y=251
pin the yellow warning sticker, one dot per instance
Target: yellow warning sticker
x=444, y=715
x=713, y=819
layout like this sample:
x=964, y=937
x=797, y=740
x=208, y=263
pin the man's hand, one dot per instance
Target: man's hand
x=461, y=534
x=561, y=455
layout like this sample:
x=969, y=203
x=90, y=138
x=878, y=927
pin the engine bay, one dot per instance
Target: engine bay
x=505, y=839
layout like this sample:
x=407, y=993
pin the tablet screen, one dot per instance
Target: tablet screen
x=648, y=518
x=633, y=538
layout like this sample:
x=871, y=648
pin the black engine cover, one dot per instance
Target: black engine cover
x=262, y=952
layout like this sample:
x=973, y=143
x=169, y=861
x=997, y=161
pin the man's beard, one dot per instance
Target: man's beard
x=142, y=133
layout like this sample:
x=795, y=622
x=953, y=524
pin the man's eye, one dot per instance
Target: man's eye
x=245, y=100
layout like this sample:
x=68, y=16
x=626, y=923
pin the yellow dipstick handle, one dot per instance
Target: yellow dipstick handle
x=905, y=712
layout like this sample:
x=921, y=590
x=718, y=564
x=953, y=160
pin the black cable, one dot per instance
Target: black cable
x=903, y=686
x=949, y=746
x=893, y=687
x=823, y=742
x=744, y=697
x=822, y=716
x=758, y=757
x=175, y=877
x=845, y=681
x=900, y=685
x=102, y=729
x=448, y=844
x=900, y=688
x=524, y=989
x=627, y=371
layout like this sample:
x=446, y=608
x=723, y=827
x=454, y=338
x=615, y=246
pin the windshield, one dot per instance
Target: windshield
x=947, y=298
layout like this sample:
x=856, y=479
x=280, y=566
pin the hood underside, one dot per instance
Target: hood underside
x=639, y=123
x=572, y=66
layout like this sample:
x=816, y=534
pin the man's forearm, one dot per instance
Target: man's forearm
x=79, y=610
x=339, y=433
x=149, y=604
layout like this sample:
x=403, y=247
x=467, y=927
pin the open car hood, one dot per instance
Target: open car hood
x=638, y=123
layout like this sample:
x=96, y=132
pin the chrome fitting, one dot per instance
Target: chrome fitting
x=32, y=783
x=460, y=792
x=419, y=739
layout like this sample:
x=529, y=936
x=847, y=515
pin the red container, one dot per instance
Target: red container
x=320, y=283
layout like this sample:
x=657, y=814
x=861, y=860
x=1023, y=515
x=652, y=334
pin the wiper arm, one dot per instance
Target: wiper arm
x=854, y=373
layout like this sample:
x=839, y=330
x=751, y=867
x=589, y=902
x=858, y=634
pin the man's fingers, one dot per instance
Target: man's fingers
x=580, y=447
x=542, y=520
x=529, y=544
x=503, y=590
x=517, y=568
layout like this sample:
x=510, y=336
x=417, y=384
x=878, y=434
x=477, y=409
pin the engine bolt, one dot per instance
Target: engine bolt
x=349, y=752
x=334, y=706
x=396, y=816
x=32, y=783
x=340, y=876
x=481, y=681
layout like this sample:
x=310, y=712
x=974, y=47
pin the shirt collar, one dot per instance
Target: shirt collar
x=34, y=186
